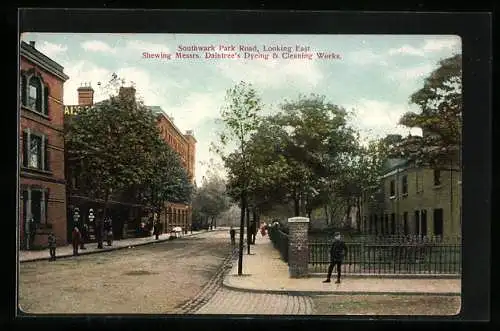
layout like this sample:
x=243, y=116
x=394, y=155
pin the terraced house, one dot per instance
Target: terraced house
x=414, y=200
x=41, y=151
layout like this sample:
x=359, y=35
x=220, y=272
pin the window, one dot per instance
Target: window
x=423, y=222
x=393, y=223
x=393, y=188
x=438, y=222
x=437, y=177
x=405, y=223
x=35, y=204
x=385, y=228
x=417, y=222
x=35, y=151
x=418, y=181
x=405, y=185
x=35, y=94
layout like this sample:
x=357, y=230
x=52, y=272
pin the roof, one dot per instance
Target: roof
x=159, y=111
x=393, y=164
x=43, y=61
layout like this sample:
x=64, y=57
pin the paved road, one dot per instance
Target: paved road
x=156, y=278
x=180, y=276
x=227, y=301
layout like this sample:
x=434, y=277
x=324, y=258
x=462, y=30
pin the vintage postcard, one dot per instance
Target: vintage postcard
x=250, y=174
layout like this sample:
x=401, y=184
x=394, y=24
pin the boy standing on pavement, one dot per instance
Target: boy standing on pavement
x=337, y=254
x=52, y=246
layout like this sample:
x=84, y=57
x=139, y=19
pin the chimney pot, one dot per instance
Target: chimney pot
x=32, y=43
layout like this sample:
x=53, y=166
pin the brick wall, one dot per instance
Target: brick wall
x=298, y=247
x=54, y=181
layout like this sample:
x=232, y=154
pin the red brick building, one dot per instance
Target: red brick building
x=185, y=146
x=174, y=214
x=41, y=150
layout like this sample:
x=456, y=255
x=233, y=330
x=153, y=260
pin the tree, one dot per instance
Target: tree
x=116, y=147
x=167, y=180
x=440, y=118
x=312, y=141
x=210, y=200
x=240, y=116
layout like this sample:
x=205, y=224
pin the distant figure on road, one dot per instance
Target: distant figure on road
x=232, y=233
x=52, y=246
x=85, y=233
x=337, y=253
x=76, y=237
x=263, y=230
x=253, y=232
x=99, y=231
x=108, y=229
x=156, y=230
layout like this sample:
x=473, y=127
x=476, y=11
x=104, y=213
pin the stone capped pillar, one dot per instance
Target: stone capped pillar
x=298, y=247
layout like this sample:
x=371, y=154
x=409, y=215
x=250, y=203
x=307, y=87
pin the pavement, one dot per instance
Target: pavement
x=91, y=248
x=265, y=272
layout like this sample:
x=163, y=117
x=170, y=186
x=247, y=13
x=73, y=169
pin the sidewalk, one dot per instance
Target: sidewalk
x=91, y=248
x=265, y=272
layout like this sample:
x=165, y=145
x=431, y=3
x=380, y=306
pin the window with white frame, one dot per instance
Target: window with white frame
x=34, y=93
x=35, y=204
x=35, y=151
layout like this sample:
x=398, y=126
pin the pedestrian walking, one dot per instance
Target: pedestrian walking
x=76, y=237
x=52, y=246
x=85, y=233
x=337, y=254
x=253, y=232
x=232, y=234
x=156, y=230
x=109, y=231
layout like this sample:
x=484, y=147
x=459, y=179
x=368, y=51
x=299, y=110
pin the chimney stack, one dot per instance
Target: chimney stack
x=32, y=43
x=127, y=92
x=85, y=95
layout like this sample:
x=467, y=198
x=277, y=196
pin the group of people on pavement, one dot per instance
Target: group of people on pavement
x=253, y=232
x=80, y=235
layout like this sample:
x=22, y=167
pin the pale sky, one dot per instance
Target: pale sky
x=375, y=75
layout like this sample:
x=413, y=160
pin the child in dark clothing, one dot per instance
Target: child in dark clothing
x=52, y=246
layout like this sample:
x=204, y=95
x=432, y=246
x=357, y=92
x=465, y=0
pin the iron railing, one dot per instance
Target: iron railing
x=280, y=241
x=390, y=258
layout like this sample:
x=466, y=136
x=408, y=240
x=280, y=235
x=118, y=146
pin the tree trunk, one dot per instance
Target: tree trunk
x=249, y=235
x=348, y=214
x=358, y=213
x=326, y=214
x=242, y=229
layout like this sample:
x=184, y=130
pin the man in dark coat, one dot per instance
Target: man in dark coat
x=76, y=237
x=337, y=254
x=99, y=230
x=85, y=232
x=52, y=246
x=232, y=234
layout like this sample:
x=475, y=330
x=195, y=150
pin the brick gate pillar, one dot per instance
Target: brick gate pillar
x=298, y=247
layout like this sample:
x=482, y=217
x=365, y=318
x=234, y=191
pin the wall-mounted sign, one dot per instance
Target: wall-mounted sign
x=74, y=110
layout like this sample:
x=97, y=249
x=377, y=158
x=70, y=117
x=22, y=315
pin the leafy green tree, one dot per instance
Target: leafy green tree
x=240, y=116
x=115, y=146
x=210, y=200
x=314, y=147
x=167, y=180
x=440, y=118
